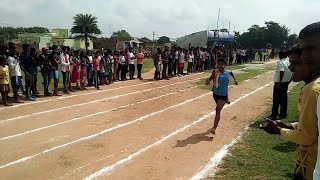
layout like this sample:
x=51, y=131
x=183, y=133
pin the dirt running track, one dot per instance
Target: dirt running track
x=130, y=130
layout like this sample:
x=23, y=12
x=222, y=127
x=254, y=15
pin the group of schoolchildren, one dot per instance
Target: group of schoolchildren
x=77, y=68
x=171, y=63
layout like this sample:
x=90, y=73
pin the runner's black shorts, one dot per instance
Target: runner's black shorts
x=217, y=97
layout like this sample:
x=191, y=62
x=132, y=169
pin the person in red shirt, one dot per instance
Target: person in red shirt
x=140, y=57
x=96, y=68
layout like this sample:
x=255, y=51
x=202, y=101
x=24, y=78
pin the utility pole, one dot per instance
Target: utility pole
x=218, y=19
x=153, y=33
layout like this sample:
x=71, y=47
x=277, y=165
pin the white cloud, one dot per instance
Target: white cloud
x=171, y=18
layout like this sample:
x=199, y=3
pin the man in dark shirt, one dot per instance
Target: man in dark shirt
x=44, y=63
x=54, y=71
x=27, y=63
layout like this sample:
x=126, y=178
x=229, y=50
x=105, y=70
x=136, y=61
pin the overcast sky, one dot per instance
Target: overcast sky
x=172, y=18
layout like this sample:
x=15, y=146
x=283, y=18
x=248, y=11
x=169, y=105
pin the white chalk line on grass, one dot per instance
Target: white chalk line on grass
x=95, y=101
x=216, y=159
x=83, y=94
x=103, y=132
x=92, y=115
x=218, y=156
x=108, y=169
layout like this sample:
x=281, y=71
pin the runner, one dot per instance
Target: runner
x=220, y=78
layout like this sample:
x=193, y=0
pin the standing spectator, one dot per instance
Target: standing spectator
x=76, y=69
x=89, y=69
x=176, y=62
x=110, y=65
x=125, y=68
x=140, y=57
x=102, y=70
x=15, y=73
x=304, y=133
x=260, y=54
x=116, y=66
x=44, y=63
x=131, y=64
x=190, y=62
x=96, y=68
x=54, y=64
x=181, y=62
x=157, y=61
x=282, y=79
x=122, y=63
x=33, y=53
x=27, y=63
x=65, y=69
x=83, y=73
x=170, y=64
x=4, y=80
x=165, y=61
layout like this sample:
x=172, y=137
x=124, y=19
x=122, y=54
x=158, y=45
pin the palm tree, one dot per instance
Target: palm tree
x=85, y=27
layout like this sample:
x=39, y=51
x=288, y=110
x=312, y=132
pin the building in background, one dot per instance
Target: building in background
x=57, y=36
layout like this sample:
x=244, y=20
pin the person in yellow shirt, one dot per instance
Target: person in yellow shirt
x=4, y=80
x=304, y=132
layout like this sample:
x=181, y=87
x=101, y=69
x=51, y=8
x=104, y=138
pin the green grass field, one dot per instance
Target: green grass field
x=260, y=155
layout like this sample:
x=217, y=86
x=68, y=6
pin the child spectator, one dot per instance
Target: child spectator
x=4, y=81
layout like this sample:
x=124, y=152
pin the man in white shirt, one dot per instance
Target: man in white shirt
x=15, y=73
x=282, y=78
x=132, y=68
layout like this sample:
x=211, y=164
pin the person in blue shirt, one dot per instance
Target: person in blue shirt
x=219, y=90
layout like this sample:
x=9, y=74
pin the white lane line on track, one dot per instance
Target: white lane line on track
x=83, y=94
x=108, y=169
x=91, y=115
x=102, y=132
x=95, y=101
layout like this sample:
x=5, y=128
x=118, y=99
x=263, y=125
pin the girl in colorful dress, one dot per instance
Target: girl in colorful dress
x=181, y=62
x=102, y=76
x=4, y=80
x=115, y=66
x=83, y=73
x=220, y=78
x=75, y=76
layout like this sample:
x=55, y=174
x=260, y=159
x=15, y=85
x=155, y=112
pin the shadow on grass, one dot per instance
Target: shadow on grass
x=285, y=147
x=194, y=139
x=289, y=175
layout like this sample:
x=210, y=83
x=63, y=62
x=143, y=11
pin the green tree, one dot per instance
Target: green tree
x=85, y=27
x=121, y=34
x=10, y=33
x=258, y=37
x=275, y=34
x=163, y=39
x=292, y=40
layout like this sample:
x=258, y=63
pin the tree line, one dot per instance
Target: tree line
x=272, y=33
x=10, y=33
